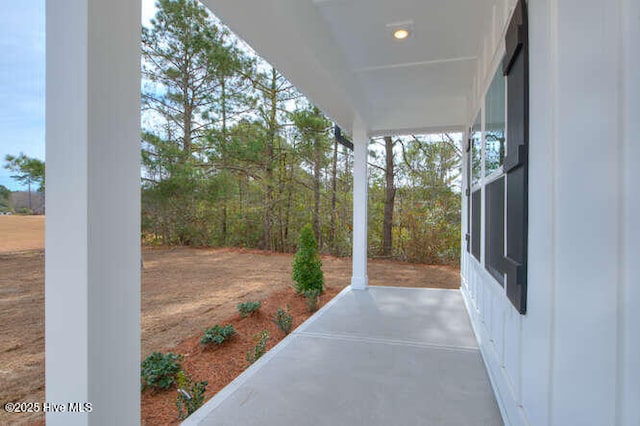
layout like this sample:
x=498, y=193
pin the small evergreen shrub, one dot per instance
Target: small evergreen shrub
x=283, y=320
x=313, y=299
x=307, y=266
x=158, y=370
x=260, y=348
x=190, y=395
x=217, y=334
x=248, y=308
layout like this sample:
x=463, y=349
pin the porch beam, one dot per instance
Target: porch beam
x=359, y=280
x=92, y=272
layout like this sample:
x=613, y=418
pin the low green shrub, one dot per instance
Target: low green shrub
x=307, y=265
x=260, y=348
x=158, y=370
x=284, y=320
x=217, y=334
x=313, y=299
x=190, y=395
x=248, y=308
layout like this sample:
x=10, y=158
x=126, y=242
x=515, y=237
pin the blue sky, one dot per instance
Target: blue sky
x=22, y=79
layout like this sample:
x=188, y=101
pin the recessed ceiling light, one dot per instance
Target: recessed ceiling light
x=401, y=34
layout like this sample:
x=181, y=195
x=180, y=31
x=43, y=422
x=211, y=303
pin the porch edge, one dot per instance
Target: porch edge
x=228, y=390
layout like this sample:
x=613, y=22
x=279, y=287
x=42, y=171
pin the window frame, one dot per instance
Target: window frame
x=515, y=168
x=485, y=180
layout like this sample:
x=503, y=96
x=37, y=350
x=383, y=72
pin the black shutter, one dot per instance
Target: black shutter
x=467, y=151
x=516, y=69
x=337, y=132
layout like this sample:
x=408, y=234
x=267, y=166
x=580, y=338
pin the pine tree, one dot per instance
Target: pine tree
x=26, y=171
x=314, y=129
x=307, y=266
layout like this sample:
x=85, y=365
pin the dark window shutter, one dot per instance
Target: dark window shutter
x=337, y=132
x=467, y=151
x=516, y=69
x=494, y=229
x=476, y=223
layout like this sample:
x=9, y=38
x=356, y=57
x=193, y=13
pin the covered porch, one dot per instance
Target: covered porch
x=565, y=353
x=386, y=356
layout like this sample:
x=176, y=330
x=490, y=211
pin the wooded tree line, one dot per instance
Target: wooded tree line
x=233, y=155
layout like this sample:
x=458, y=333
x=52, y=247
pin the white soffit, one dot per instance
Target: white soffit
x=342, y=55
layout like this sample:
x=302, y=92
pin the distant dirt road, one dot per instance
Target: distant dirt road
x=19, y=233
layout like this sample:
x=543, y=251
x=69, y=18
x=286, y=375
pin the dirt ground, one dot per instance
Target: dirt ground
x=184, y=291
x=19, y=233
x=220, y=365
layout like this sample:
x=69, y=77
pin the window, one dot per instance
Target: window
x=495, y=121
x=476, y=151
x=498, y=170
x=475, y=200
x=494, y=226
x=495, y=118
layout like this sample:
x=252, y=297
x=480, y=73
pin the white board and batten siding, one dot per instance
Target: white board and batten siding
x=574, y=357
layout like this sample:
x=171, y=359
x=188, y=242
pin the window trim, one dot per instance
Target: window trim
x=495, y=175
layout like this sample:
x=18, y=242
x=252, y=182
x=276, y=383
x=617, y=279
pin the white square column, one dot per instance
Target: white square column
x=92, y=273
x=629, y=296
x=595, y=377
x=359, y=280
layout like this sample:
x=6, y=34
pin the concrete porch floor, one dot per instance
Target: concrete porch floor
x=384, y=356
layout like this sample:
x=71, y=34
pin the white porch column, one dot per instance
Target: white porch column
x=629, y=296
x=595, y=375
x=359, y=280
x=92, y=275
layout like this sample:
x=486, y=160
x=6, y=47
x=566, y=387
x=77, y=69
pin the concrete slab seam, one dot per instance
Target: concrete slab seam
x=395, y=342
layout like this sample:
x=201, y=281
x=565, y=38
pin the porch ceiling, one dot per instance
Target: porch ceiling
x=342, y=55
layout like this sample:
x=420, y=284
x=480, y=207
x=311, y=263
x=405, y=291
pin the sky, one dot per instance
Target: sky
x=22, y=80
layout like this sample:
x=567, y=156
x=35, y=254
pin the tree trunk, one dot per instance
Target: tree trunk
x=188, y=110
x=334, y=181
x=287, y=219
x=29, y=184
x=269, y=157
x=282, y=183
x=390, y=195
x=223, y=152
x=317, y=153
x=347, y=190
x=224, y=223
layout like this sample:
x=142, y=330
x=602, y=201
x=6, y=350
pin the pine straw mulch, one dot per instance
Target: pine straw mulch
x=220, y=365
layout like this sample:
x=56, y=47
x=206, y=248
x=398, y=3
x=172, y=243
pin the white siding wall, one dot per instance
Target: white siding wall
x=573, y=358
